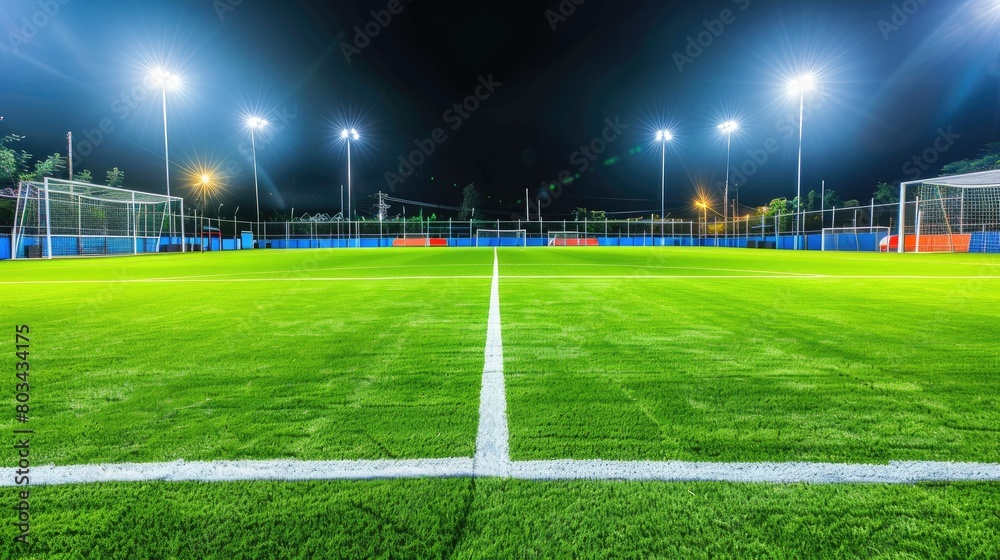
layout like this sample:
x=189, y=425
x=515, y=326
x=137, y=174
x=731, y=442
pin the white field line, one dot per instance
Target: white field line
x=896, y=472
x=511, y=277
x=493, y=439
x=235, y=280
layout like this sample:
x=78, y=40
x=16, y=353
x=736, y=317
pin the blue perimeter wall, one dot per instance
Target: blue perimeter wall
x=981, y=243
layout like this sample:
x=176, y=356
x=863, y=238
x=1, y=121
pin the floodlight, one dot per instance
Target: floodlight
x=801, y=84
x=256, y=122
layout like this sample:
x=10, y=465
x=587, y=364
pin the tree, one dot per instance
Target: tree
x=988, y=160
x=116, y=178
x=84, y=176
x=470, y=201
x=832, y=200
x=580, y=214
x=13, y=166
x=886, y=193
x=811, y=199
x=49, y=167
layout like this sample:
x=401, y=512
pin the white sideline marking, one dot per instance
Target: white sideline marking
x=221, y=471
x=493, y=439
x=227, y=280
x=896, y=472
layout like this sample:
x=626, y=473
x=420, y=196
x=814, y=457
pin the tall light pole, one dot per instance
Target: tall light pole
x=799, y=86
x=167, y=80
x=728, y=128
x=255, y=124
x=349, y=135
x=663, y=136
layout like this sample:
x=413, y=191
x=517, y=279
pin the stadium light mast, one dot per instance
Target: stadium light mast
x=663, y=136
x=799, y=86
x=166, y=80
x=349, y=135
x=255, y=124
x=728, y=128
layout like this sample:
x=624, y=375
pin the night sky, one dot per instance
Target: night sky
x=914, y=78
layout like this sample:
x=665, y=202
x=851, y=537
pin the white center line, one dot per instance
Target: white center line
x=493, y=439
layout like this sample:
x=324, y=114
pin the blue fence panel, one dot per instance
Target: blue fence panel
x=5, y=248
x=985, y=242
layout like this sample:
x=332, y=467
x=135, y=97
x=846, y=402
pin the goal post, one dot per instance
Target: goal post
x=501, y=238
x=60, y=218
x=866, y=239
x=958, y=213
x=571, y=239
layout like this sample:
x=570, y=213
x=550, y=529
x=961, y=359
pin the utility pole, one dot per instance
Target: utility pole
x=382, y=205
x=69, y=158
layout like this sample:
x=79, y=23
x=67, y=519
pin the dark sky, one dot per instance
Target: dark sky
x=918, y=78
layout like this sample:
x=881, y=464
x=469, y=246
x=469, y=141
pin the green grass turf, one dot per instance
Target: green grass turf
x=663, y=366
x=283, y=368
x=487, y=519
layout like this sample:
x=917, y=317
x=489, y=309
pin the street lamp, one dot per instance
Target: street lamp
x=728, y=128
x=255, y=124
x=166, y=80
x=799, y=86
x=349, y=135
x=703, y=204
x=663, y=136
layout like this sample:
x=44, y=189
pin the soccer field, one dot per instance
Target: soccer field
x=472, y=403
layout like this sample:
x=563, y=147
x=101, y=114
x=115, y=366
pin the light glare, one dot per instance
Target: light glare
x=801, y=84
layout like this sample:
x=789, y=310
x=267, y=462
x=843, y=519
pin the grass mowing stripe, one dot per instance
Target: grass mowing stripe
x=491, y=519
x=493, y=440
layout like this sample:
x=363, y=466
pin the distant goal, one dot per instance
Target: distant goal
x=570, y=239
x=958, y=213
x=501, y=238
x=864, y=239
x=59, y=218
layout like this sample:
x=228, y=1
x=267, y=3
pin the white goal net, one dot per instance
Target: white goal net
x=59, y=218
x=959, y=214
x=501, y=238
